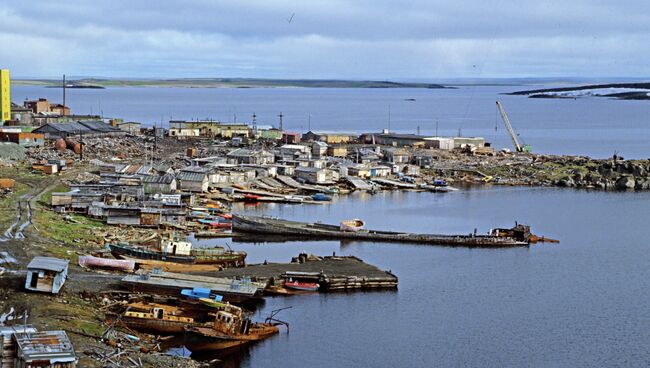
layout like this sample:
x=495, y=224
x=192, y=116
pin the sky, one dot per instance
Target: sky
x=335, y=39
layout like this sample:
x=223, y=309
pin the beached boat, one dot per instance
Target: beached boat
x=180, y=252
x=322, y=197
x=251, y=198
x=302, y=286
x=113, y=264
x=229, y=329
x=156, y=318
x=352, y=225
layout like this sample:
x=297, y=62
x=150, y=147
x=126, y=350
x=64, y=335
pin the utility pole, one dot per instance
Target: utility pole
x=81, y=146
x=254, y=125
x=63, y=94
x=309, y=122
x=418, y=130
x=437, y=128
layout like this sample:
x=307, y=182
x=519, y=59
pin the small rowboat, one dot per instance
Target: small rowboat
x=321, y=197
x=352, y=225
x=251, y=197
x=304, y=286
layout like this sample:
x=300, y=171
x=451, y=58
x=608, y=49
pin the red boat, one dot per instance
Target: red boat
x=251, y=197
x=304, y=286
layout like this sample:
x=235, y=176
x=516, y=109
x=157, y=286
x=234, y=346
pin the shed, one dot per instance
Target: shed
x=193, y=181
x=311, y=175
x=46, y=274
x=51, y=349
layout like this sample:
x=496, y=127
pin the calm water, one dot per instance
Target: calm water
x=592, y=126
x=581, y=303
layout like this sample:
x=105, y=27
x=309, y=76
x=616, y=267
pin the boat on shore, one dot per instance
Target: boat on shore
x=180, y=252
x=156, y=318
x=231, y=328
x=352, y=225
x=301, y=286
x=107, y=263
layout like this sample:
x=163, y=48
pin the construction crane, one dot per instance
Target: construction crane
x=515, y=139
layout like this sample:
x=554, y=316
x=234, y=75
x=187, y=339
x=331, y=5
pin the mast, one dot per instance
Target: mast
x=63, y=110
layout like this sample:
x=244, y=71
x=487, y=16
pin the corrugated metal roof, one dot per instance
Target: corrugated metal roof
x=157, y=179
x=48, y=263
x=191, y=176
x=99, y=126
x=54, y=346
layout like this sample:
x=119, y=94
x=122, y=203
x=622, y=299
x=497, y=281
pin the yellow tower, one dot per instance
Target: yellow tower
x=5, y=97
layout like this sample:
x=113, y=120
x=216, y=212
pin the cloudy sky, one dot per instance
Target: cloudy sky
x=363, y=39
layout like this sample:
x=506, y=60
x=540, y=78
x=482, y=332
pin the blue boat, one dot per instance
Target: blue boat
x=321, y=197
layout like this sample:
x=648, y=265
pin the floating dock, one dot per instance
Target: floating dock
x=276, y=226
x=332, y=273
x=168, y=283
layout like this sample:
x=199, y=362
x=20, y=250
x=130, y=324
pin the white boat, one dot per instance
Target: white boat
x=352, y=225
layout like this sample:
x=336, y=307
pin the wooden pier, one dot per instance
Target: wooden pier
x=332, y=273
x=276, y=226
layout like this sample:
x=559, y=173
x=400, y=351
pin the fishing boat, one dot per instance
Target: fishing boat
x=217, y=223
x=438, y=185
x=156, y=318
x=321, y=197
x=302, y=286
x=229, y=329
x=180, y=252
x=352, y=225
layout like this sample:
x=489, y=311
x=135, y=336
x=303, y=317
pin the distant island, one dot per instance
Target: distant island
x=622, y=91
x=227, y=83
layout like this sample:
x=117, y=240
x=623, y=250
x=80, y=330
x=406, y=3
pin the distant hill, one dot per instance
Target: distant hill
x=623, y=91
x=229, y=83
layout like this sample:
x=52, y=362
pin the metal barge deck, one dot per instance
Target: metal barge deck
x=276, y=226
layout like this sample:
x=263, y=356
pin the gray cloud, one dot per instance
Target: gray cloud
x=325, y=39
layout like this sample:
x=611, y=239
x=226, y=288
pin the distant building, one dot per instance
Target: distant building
x=81, y=128
x=329, y=138
x=130, y=127
x=23, y=138
x=209, y=128
x=5, y=96
x=396, y=155
x=290, y=138
x=42, y=105
x=311, y=175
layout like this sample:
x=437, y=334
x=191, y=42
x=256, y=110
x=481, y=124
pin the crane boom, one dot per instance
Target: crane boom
x=513, y=135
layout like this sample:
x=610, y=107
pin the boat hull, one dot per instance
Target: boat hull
x=156, y=326
x=234, y=259
x=201, y=339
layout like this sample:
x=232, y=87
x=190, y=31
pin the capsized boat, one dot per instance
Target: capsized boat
x=114, y=264
x=352, y=225
x=231, y=328
x=180, y=252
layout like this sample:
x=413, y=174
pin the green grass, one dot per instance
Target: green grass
x=46, y=198
x=68, y=236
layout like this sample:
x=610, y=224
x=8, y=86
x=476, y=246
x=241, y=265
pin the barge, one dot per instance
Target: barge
x=276, y=226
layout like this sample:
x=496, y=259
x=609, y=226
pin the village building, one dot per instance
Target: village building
x=290, y=138
x=46, y=274
x=193, y=181
x=337, y=151
x=250, y=156
x=22, y=138
x=159, y=184
x=311, y=175
x=318, y=149
x=396, y=155
x=88, y=129
x=208, y=129
x=130, y=127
